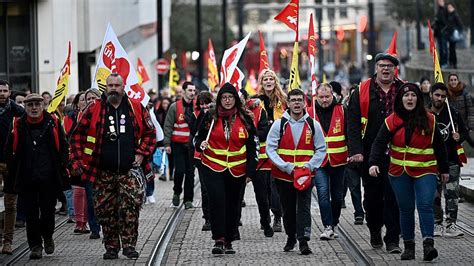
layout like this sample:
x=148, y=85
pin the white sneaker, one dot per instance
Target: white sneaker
x=328, y=233
x=452, y=231
x=151, y=199
x=438, y=230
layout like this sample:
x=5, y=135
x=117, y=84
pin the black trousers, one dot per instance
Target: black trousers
x=263, y=193
x=380, y=205
x=224, y=192
x=296, y=206
x=204, y=194
x=40, y=203
x=275, y=205
x=184, y=170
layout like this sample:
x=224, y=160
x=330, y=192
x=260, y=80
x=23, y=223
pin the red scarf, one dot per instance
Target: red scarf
x=226, y=113
x=31, y=121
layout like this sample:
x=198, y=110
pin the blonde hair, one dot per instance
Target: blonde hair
x=278, y=94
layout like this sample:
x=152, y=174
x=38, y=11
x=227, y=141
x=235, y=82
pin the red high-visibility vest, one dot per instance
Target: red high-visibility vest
x=180, y=132
x=288, y=152
x=416, y=158
x=222, y=154
x=336, y=152
x=263, y=162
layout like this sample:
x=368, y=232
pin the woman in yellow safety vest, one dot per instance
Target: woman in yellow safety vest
x=227, y=139
x=417, y=156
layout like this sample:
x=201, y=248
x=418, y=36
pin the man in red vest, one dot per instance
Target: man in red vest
x=295, y=143
x=177, y=141
x=368, y=108
x=329, y=180
x=119, y=135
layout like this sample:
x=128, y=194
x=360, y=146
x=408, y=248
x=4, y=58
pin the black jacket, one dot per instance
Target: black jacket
x=19, y=177
x=12, y=110
x=376, y=118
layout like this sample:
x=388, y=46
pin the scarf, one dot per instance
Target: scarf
x=31, y=121
x=226, y=113
x=456, y=90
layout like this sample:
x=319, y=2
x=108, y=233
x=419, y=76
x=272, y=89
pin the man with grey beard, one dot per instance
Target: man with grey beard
x=118, y=133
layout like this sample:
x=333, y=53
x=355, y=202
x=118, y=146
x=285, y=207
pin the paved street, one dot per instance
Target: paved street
x=189, y=245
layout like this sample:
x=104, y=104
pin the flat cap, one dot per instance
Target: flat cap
x=387, y=56
x=33, y=97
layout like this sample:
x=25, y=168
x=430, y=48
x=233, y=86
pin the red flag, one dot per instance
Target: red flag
x=263, y=55
x=212, y=73
x=230, y=59
x=432, y=42
x=392, y=50
x=289, y=15
x=142, y=71
x=312, y=49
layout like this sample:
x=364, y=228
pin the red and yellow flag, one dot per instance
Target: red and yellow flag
x=438, y=76
x=173, y=76
x=251, y=86
x=312, y=48
x=263, y=55
x=141, y=72
x=212, y=73
x=62, y=85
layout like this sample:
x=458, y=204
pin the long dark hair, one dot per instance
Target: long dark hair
x=416, y=119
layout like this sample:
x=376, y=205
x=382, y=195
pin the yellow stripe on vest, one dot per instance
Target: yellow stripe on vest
x=224, y=163
x=428, y=151
x=413, y=163
x=295, y=152
x=228, y=153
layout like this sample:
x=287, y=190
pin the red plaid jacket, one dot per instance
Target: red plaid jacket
x=145, y=146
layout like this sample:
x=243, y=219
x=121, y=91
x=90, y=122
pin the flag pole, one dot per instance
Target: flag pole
x=450, y=115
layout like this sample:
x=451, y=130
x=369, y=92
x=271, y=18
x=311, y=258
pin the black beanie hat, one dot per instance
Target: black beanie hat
x=336, y=87
x=227, y=87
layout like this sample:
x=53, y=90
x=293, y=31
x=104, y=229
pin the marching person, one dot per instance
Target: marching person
x=119, y=135
x=417, y=155
x=262, y=181
x=177, y=142
x=329, y=180
x=228, y=141
x=37, y=157
x=8, y=110
x=273, y=100
x=453, y=142
x=295, y=143
x=204, y=100
x=368, y=108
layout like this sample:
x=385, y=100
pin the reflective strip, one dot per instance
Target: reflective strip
x=224, y=163
x=180, y=133
x=335, y=138
x=460, y=150
x=413, y=150
x=262, y=156
x=90, y=139
x=363, y=120
x=413, y=163
x=336, y=150
x=183, y=125
x=88, y=151
x=228, y=153
x=295, y=152
x=299, y=164
x=263, y=144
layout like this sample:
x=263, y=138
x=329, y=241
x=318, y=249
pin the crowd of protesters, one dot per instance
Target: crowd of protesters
x=284, y=142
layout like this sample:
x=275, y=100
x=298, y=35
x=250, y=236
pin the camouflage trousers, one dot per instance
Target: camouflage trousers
x=451, y=197
x=117, y=201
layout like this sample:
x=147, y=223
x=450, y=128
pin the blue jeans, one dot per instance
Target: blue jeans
x=91, y=218
x=329, y=182
x=408, y=191
x=352, y=182
x=70, y=207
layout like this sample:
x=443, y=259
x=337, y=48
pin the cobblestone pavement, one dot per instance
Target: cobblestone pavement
x=189, y=245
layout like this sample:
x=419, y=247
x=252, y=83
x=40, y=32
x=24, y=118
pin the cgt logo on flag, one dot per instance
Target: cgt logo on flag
x=114, y=59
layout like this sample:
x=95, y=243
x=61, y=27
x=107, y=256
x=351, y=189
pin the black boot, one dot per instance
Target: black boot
x=429, y=252
x=409, y=252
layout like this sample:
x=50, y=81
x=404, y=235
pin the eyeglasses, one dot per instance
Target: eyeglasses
x=388, y=66
x=296, y=100
x=34, y=104
x=228, y=98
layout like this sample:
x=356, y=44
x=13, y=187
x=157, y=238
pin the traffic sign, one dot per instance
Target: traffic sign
x=162, y=66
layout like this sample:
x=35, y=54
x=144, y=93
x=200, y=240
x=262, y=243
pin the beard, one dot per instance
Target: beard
x=114, y=97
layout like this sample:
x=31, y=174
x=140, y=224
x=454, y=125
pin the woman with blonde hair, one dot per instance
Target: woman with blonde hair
x=273, y=100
